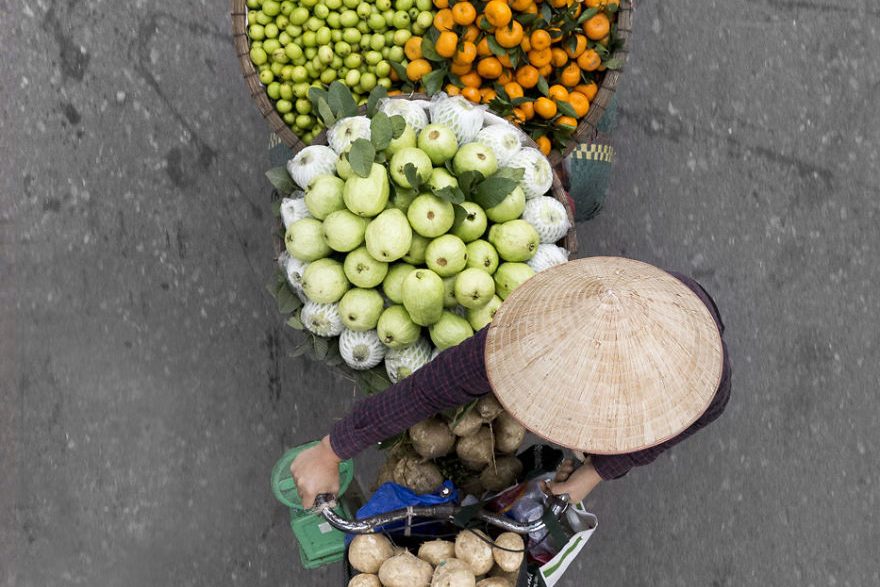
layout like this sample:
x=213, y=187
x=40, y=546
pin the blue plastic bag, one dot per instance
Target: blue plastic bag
x=391, y=496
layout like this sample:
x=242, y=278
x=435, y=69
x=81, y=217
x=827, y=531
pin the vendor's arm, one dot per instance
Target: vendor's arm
x=454, y=378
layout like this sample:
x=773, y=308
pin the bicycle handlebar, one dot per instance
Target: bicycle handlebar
x=325, y=502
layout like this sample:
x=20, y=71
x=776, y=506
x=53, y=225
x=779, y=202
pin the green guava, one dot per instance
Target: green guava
x=423, y=296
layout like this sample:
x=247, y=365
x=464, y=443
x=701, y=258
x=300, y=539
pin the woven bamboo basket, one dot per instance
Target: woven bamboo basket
x=569, y=242
x=585, y=132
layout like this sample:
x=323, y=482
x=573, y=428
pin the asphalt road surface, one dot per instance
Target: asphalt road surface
x=146, y=383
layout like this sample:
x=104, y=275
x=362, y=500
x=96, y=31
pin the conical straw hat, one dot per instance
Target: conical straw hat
x=604, y=355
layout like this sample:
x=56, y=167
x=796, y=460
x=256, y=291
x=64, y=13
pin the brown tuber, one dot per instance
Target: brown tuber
x=405, y=570
x=432, y=438
x=488, y=408
x=436, y=551
x=506, y=560
x=365, y=580
x=476, y=450
x=472, y=547
x=468, y=423
x=367, y=552
x=418, y=475
x=509, y=433
x=501, y=474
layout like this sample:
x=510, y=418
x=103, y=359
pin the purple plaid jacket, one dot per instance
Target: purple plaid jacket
x=458, y=375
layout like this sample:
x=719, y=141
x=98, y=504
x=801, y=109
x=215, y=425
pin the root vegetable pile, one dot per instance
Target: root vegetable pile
x=472, y=560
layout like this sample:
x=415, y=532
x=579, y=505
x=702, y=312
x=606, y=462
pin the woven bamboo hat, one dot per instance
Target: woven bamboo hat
x=604, y=355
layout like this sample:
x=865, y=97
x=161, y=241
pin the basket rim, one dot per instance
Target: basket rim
x=584, y=133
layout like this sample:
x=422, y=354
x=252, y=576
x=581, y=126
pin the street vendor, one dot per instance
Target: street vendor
x=609, y=357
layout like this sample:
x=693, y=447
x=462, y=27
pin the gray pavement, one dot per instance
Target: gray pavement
x=146, y=387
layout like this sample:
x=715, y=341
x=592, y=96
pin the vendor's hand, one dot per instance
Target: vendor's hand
x=577, y=484
x=316, y=471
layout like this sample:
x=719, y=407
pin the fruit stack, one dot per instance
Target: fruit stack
x=538, y=62
x=404, y=235
x=298, y=44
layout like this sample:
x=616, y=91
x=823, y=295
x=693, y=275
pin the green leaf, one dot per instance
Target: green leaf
x=325, y=112
x=376, y=95
x=493, y=190
x=434, y=81
x=341, y=96
x=295, y=322
x=460, y=214
x=497, y=49
x=316, y=94
x=467, y=181
x=276, y=207
x=321, y=346
x=515, y=173
x=546, y=12
x=450, y=194
x=587, y=14
x=303, y=349
x=361, y=157
x=542, y=85
x=279, y=178
x=380, y=131
x=412, y=176
x=566, y=109
x=398, y=125
x=612, y=8
x=428, y=50
x=526, y=19
x=399, y=69
x=373, y=380
x=287, y=300
x=614, y=63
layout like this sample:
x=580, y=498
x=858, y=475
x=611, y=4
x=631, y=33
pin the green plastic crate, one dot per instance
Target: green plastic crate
x=319, y=543
x=283, y=486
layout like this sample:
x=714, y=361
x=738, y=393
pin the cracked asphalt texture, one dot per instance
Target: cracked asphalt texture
x=146, y=384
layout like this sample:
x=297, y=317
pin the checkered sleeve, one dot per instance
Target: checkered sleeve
x=455, y=377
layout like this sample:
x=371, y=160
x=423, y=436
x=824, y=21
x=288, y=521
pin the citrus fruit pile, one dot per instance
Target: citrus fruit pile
x=537, y=62
x=404, y=235
x=299, y=44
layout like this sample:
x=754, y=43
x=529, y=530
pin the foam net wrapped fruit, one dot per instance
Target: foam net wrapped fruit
x=403, y=237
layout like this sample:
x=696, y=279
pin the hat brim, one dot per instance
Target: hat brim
x=604, y=355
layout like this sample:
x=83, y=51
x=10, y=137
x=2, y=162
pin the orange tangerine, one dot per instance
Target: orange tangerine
x=558, y=93
x=545, y=107
x=509, y=36
x=498, y=13
x=527, y=76
x=543, y=144
x=413, y=48
x=597, y=27
x=579, y=103
x=472, y=94
x=417, y=69
x=489, y=67
x=464, y=13
x=589, y=60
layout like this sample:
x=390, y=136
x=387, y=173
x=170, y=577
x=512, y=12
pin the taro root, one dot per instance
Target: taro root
x=488, y=408
x=435, y=551
x=494, y=582
x=432, y=438
x=365, y=580
x=454, y=578
x=417, y=474
x=405, y=570
x=501, y=474
x=476, y=451
x=468, y=423
x=367, y=552
x=506, y=560
x=509, y=433
x=472, y=547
